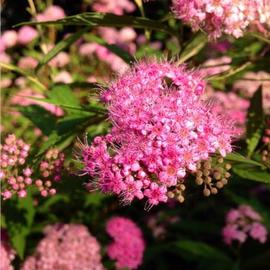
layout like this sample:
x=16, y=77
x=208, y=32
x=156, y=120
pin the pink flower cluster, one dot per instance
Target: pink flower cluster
x=16, y=178
x=222, y=16
x=232, y=105
x=161, y=130
x=118, y=7
x=13, y=154
x=66, y=246
x=128, y=244
x=243, y=222
x=51, y=13
x=7, y=254
x=248, y=85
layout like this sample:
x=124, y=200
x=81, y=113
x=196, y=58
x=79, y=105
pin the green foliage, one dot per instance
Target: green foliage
x=255, y=122
x=19, y=217
x=106, y=19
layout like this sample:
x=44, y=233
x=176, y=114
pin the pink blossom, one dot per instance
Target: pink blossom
x=222, y=16
x=27, y=62
x=9, y=38
x=232, y=105
x=5, y=58
x=118, y=7
x=250, y=82
x=51, y=13
x=161, y=125
x=7, y=254
x=60, y=60
x=63, y=77
x=258, y=232
x=128, y=244
x=217, y=65
x=26, y=34
x=66, y=246
x=5, y=82
x=241, y=223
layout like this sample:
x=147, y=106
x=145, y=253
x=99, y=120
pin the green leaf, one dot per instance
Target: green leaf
x=94, y=199
x=27, y=75
x=62, y=94
x=193, y=47
x=202, y=250
x=252, y=173
x=128, y=58
x=19, y=214
x=63, y=44
x=95, y=19
x=255, y=121
x=40, y=117
x=238, y=158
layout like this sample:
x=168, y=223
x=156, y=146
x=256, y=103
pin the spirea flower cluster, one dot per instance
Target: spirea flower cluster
x=7, y=254
x=222, y=16
x=128, y=245
x=15, y=176
x=161, y=130
x=66, y=246
x=243, y=222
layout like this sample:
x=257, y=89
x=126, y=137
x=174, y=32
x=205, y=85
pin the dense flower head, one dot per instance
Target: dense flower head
x=128, y=244
x=161, y=130
x=7, y=254
x=66, y=246
x=222, y=16
x=117, y=7
x=243, y=222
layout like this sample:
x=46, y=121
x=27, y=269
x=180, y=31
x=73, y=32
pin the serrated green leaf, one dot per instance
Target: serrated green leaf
x=255, y=121
x=19, y=214
x=95, y=19
x=63, y=44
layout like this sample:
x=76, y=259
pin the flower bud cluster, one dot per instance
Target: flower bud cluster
x=212, y=174
x=243, y=222
x=15, y=177
x=50, y=170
